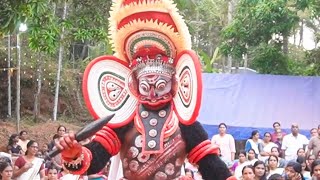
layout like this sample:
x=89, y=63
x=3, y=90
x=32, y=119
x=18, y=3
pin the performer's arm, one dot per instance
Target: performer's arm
x=202, y=152
x=99, y=148
x=94, y=156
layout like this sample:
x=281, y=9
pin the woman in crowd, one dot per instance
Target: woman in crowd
x=301, y=152
x=5, y=171
x=260, y=170
x=310, y=160
x=273, y=166
x=225, y=142
x=282, y=162
x=29, y=166
x=248, y=173
x=302, y=161
x=315, y=170
x=252, y=156
x=13, y=148
x=240, y=163
x=265, y=147
x=23, y=141
x=293, y=171
x=61, y=130
x=253, y=142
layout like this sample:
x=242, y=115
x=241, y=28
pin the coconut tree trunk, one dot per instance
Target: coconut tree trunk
x=56, y=97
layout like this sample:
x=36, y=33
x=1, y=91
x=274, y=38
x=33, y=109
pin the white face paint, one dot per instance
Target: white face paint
x=153, y=87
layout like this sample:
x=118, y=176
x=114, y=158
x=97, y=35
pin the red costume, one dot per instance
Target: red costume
x=153, y=86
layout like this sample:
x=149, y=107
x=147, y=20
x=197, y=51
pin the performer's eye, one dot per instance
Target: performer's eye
x=144, y=86
x=161, y=84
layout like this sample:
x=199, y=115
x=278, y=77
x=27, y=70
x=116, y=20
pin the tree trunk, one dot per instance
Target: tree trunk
x=37, y=103
x=231, y=6
x=56, y=97
x=301, y=33
x=18, y=82
x=9, y=76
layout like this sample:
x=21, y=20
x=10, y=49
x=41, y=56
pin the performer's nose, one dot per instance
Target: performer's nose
x=152, y=93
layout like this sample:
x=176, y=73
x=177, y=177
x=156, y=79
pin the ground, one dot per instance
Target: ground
x=41, y=132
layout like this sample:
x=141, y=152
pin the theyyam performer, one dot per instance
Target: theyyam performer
x=153, y=86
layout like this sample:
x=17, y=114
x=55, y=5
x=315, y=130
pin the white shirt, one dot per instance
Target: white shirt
x=226, y=144
x=291, y=144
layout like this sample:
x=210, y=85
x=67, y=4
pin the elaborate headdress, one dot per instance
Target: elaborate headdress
x=148, y=36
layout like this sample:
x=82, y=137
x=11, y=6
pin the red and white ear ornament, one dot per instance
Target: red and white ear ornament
x=105, y=90
x=187, y=99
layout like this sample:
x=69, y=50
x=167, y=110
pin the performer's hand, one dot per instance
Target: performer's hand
x=70, y=148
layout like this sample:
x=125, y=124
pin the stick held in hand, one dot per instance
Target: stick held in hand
x=86, y=132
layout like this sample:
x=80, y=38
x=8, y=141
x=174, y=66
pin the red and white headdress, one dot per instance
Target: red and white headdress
x=148, y=36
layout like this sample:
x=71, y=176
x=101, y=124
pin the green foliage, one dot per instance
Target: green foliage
x=255, y=22
x=268, y=59
x=43, y=28
x=208, y=62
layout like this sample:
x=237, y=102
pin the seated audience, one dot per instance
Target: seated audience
x=273, y=166
x=265, y=147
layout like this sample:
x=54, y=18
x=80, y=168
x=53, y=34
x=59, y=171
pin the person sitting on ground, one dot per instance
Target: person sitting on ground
x=5, y=170
x=238, y=165
x=315, y=170
x=310, y=160
x=273, y=166
x=301, y=152
x=265, y=147
x=13, y=148
x=293, y=171
x=52, y=173
x=282, y=162
x=260, y=170
x=302, y=161
x=248, y=173
x=276, y=177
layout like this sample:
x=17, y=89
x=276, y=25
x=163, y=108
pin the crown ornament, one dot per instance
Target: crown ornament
x=159, y=65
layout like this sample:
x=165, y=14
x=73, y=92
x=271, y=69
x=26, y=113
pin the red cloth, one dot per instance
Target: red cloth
x=20, y=162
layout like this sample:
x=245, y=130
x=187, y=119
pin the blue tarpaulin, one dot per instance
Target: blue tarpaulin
x=246, y=102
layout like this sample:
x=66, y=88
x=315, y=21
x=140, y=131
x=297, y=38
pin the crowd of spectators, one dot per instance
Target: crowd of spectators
x=276, y=156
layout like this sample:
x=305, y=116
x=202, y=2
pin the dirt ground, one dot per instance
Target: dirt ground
x=42, y=132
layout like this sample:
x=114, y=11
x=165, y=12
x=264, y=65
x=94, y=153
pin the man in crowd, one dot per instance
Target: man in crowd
x=314, y=144
x=277, y=130
x=292, y=142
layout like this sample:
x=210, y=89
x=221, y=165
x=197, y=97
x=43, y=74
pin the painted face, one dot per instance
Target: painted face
x=155, y=89
x=7, y=173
